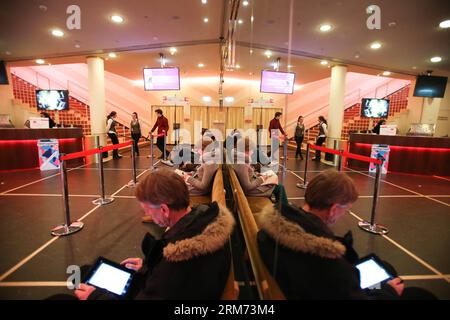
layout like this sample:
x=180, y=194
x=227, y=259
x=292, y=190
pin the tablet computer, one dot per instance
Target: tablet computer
x=110, y=276
x=372, y=272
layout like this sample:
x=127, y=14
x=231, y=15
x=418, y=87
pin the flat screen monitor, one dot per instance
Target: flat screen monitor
x=52, y=100
x=277, y=82
x=430, y=86
x=161, y=79
x=374, y=108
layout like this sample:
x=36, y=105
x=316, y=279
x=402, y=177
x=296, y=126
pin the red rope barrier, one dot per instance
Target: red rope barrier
x=90, y=152
x=346, y=154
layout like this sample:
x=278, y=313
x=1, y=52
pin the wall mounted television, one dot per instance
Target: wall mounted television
x=52, y=100
x=374, y=108
x=161, y=79
x=430, y=86
x=277, y=82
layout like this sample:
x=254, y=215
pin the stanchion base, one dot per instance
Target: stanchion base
x=302, y=185
x=132, y=184
x=375, y=229
x=65, y=230
x=103, y=201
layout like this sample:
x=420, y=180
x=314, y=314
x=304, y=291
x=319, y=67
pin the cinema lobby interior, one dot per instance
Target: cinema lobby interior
x=237, y=150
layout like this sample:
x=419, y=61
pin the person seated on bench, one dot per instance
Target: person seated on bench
x=199, y=182
x=192, y=258
x=313, y=263
x=252, y=183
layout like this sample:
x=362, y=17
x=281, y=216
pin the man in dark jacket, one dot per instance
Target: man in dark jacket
x=312, y=263
x=163, y=126
x=191, y=260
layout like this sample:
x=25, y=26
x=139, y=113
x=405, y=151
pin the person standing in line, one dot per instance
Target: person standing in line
x=323, y=132
x=299, y=134
x=112, y=133
x=276, y=125
x=135, y=128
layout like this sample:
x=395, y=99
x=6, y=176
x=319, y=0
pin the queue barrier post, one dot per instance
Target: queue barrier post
x=164, y=156
x=371, y=226
x=133, y=182
x=341, y=152
x=305, y=181
x=68, y=227
x=102, y=200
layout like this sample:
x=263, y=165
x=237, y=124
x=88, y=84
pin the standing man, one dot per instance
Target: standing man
x=275, y=125
x=163, y=126
x=323, y=132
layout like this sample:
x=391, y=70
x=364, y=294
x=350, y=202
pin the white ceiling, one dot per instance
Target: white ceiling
x=152, y=27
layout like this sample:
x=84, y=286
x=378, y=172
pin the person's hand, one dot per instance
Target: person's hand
x=398, y=285
x=84, y=291
x=132, y=263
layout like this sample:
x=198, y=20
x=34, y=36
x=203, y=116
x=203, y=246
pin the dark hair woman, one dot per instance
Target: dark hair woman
x=135, y=128
x=112, y=133
x=299, y=134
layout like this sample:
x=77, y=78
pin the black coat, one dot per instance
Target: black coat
x=312, y=263
x=191, y=260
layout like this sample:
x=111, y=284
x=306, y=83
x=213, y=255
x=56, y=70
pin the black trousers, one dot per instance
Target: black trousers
x=299, y=141
x=160, y=145
x=319, y=142
x=114, y=140
x=136, y=137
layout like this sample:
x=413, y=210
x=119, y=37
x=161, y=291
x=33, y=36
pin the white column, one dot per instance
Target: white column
x=336, y=111
x=96, y=88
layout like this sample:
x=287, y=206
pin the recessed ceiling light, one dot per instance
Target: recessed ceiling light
x=245, y=3
x=251, y=51
x=252, y=18
x=112, y=55
x=238, y=66
x=289, y=66
x=205, y=20
x=325, y=27
x=204, y=1
x=386, y=73
x=200, y=65
x=8, y=53
x=206, y=98
x=436, y=59
x=229, y=99
x=324, y=62
x=40, y=61
x=240, y=21
x=77, y=45
x=57, y=33
x=173, y=50
x=414, y=68
x=375, y=45
x=268, y=53
x=444, y=24
x=116, y=19
x=43, y=8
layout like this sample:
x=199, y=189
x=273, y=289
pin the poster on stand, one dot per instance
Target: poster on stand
x=380, y=150
x=48, y=152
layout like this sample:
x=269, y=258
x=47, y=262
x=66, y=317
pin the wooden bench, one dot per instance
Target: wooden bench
x=268, y=289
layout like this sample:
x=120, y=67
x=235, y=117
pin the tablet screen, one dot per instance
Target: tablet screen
x=371, y=273
x=111, y=278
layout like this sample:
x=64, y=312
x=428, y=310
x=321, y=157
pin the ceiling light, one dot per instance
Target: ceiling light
x=325, y=27
x=204, y=1
x=245, y=3
x=237, y=66
x=112, y=55
x=444, y=24
x=57, y=33
x=205, y=20
x=173, y=50
x=436, y=59
x=206, y=99
x=252, y=18
x=289, y=66
x=251, y=51
x=40, y=61
x=375, y=45
x=386, y=73
x=8, y=53
x=268, y=53
x=229, y=99
x=200, y=65
x=116, y=19
x=240, y=21
x=324, y=62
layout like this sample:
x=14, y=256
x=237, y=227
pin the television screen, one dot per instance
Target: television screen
x=374, y=108
x=277, y=82
x=3, y=74
x=56, y=100
x=430, y=86
x=161, y=79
